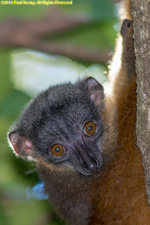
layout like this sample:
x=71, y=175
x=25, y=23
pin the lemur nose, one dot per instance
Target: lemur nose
x=92, y=167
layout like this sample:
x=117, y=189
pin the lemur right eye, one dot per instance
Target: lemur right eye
x=57, y=150
x=89, y=128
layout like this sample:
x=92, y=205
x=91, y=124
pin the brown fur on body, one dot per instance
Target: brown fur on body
x=120, y=197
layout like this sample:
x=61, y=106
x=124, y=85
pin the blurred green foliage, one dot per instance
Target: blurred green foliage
x=99, y=35
x=100, y=10
x=17, y=175
x=21, y=11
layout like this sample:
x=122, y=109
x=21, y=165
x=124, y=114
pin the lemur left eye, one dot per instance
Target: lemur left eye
x=57, y=150
x=89, y=128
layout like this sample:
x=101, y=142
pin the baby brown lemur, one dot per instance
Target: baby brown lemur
x=83, y=141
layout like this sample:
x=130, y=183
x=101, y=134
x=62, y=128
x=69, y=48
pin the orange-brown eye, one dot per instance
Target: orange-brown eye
x=89, y=128
x=57, y=150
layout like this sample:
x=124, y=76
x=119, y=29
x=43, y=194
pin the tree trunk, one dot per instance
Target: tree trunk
x=141, y=24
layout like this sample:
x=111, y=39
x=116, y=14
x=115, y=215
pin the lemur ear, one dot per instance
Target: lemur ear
x=95, y=89
x=21, y=145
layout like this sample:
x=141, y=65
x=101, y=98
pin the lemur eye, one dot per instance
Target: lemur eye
x=89, y=128
x=57, y=150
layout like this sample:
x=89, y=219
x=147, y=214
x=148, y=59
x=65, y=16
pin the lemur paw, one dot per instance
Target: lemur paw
x=127, y=28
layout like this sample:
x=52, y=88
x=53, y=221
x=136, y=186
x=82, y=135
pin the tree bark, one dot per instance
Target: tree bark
x=141, y=24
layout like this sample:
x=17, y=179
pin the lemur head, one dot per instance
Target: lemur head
x=63, y=127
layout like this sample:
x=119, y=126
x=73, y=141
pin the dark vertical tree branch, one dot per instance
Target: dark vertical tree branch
x=141, y=21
